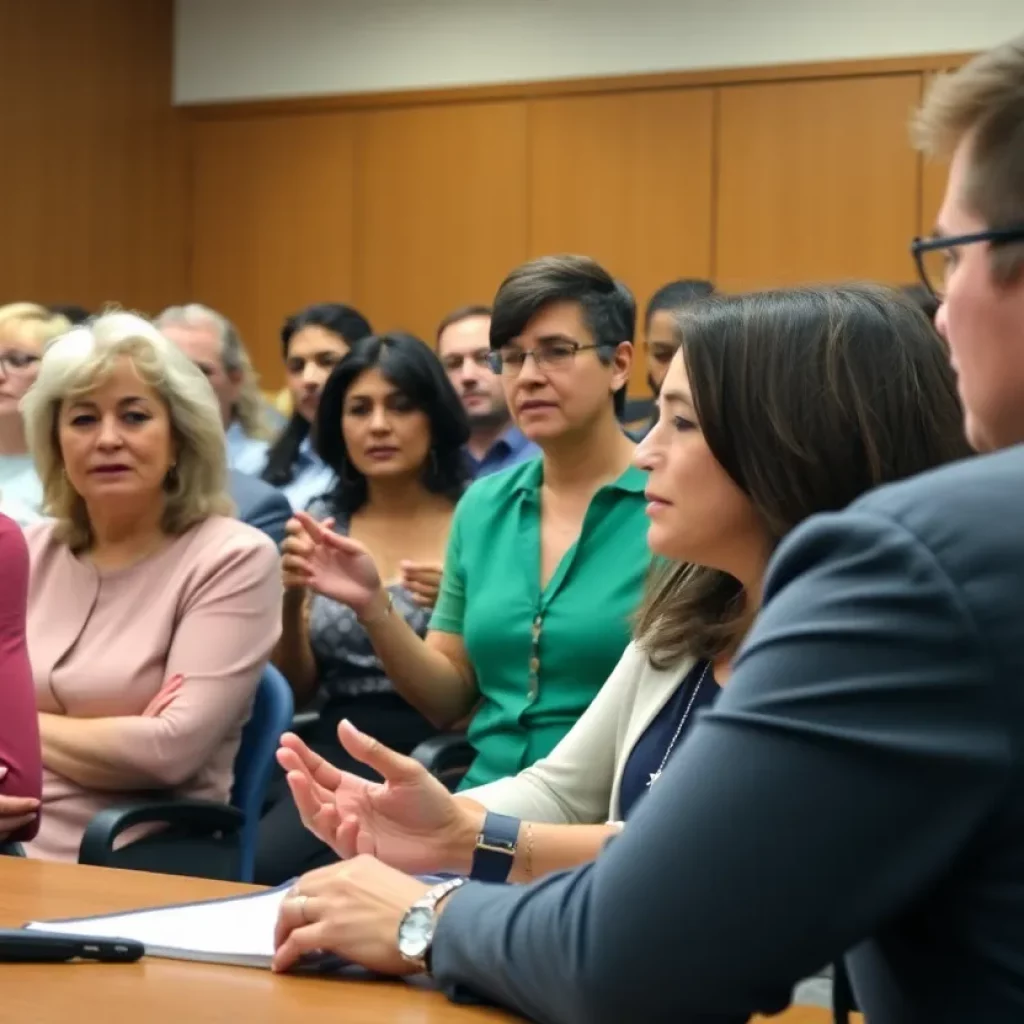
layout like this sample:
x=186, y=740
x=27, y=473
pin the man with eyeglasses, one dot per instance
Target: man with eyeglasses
x=25, y=329
x=463, y=345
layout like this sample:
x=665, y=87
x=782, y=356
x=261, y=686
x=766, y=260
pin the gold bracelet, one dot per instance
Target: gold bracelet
x=528, y=859
x=377, y=619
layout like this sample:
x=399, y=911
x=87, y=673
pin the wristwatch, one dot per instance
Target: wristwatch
x=495, y=848
x=416, y=931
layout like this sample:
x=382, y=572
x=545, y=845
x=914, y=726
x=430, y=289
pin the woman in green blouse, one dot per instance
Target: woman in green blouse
x=546, y=560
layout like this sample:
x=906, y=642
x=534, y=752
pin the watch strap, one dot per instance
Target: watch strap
x=495, y=848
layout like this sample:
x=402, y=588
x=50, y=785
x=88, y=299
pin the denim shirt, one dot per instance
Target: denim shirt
x=509, y=450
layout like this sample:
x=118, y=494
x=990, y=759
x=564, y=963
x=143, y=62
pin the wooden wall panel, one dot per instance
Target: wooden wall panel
x=626, y=179
x=272, y=224
x=817, y=182
x=94, y=175
x=441, y=209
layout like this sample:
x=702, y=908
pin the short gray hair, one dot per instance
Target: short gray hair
x=77, y=362
x=249, y=410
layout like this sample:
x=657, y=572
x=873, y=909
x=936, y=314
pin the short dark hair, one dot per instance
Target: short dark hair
x=807, y=398
x=677, y=294
x=456, y=316
x=609, y=309
x=345, y=321
x=414, y=369
x=348, y=324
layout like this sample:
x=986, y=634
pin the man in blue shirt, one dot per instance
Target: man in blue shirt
x=463, y=345
x=213, y=343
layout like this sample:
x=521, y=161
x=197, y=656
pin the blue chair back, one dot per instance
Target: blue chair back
x=271, y=716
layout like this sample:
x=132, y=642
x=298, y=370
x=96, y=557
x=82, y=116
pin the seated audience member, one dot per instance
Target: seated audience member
x=314, y=342
x=858, y=788
x=546, y=561
x=151, y=612
x=391, y=429
x=463, y=343
x=25, y=328
x=213, y=343
x=661, y=336
x=720, y=482
x=661, y=331
x=74, y=314
x=20, y=771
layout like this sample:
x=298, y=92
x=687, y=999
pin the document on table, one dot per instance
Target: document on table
x=237, y=931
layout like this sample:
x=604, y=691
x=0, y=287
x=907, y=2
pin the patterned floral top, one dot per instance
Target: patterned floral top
x=347, y=665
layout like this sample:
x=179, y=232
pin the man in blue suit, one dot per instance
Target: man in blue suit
x=259, y=504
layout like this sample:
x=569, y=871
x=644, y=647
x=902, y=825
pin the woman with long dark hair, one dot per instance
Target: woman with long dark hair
x=391, y=429
x=314, y=341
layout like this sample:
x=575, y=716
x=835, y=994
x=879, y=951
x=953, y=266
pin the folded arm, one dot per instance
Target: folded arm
x=858, y=746
x=219, y=649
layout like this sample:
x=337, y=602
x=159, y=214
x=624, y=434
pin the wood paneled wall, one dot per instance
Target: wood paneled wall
x=411, y=204
x=94, y=173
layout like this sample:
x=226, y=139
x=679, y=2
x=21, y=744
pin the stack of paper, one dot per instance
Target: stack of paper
x=237, y=931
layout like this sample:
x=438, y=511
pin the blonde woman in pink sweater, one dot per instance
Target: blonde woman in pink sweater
x=151, y=611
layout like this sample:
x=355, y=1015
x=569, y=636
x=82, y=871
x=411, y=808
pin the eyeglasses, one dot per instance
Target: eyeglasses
x=454, y=362
x=554, y=356
x=936, y=258
x=17, y=364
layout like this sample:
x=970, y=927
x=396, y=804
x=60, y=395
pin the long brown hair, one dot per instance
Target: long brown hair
x=807, y=398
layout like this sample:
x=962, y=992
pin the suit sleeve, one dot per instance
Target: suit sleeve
x=19, y=722
x=858, y=745
x=271, y=516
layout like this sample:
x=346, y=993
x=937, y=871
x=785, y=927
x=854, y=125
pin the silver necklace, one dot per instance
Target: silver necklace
x=679, y=728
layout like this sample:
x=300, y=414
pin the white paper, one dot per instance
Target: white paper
x=233, y=931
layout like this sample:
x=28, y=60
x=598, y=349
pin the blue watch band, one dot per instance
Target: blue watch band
x=495, y=848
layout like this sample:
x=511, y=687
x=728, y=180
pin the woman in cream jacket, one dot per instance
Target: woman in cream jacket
x=777, y=406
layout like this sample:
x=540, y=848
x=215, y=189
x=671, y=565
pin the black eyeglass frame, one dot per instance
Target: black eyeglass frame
x=993, y=236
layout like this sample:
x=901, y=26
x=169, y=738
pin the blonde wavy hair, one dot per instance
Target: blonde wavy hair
x=250, y=409
x=28, y=318
x=82, y=359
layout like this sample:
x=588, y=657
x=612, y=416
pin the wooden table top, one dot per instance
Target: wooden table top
x=155, y=990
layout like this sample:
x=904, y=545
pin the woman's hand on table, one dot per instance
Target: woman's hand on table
x=352, y=910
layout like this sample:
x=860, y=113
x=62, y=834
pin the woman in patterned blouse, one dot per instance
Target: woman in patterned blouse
x=392, y=428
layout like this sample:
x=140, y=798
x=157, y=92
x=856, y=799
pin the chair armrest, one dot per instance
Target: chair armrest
x=447, y=757
x=203, y=816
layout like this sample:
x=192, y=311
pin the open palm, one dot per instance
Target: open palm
x=409, y=820
x=339, y=567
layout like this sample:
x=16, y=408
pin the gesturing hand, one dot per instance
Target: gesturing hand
x=423, y=581
x=409, y=820
x=335, y=566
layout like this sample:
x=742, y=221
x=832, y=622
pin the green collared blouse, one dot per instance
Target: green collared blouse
x=540, y=656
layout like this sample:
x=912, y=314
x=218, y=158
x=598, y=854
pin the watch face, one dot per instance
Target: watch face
x=415, y=933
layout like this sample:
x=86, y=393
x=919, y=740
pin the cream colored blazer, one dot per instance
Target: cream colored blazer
x=578, y=782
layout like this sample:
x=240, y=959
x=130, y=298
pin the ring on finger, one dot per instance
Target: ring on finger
x=300, y=901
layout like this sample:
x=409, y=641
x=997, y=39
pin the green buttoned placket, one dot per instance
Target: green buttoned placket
x=540, y=655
